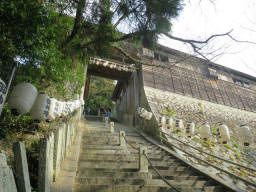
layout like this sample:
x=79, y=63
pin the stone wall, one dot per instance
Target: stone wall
x=53, y=150
x=7, y=182
x=198, y=111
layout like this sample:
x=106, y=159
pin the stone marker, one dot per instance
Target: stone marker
x=7, y=182
x=143, y=167
x=111, y=127
x=122, y=138
x=21, y=167
x=106, y=121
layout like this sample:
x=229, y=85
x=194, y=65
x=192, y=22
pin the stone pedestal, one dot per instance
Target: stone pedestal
x=21, y=167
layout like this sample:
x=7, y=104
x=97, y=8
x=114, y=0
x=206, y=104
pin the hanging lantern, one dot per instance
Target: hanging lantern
x=143, y=113
x=22, y=98
x=41, y=107
x=245, y=135
x=119, y=68
x=58, y=108
x=190, y=129
x=3, y=90
x=161, y=121
x=223, y=133
x=205, y=131
x=52, y=110
x=169, y=123
x=65, y=109
x=106, y=63
x=178, y=124
x=148, y=116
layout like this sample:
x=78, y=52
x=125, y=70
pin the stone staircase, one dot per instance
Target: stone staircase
x=106, y=166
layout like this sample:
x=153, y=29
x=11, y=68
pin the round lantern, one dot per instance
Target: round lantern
x=65, y=109
x=205, y=131
x=3, y=90
x=41, y=107
x=223, y=133
x=161, y=121
x=53, y=110
x=169, y=123
x=245, y=135
x=22, y=98
x=148, y=116
x=178, y=124
x=58, y=108
x=190, y=129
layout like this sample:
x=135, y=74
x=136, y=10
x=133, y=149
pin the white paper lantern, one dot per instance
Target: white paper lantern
x=161, y=121
x=41, y=107
x=169, y=123
x=52, y=111
x=82, y=102
x=179, y=124
x=3, y=90
x=65, y=109
x=148, y=116
x=190, y=129
x=245, y=135
x=22, y=97
x=223, y=133
x=58, y=108
x=205, y=131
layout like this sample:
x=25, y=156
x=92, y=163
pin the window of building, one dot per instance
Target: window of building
x=213, y=73
x=242, y=83
x=246, y=84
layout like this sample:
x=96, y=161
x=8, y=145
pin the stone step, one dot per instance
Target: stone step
x=123, y=157
x=171, y=173
x=148, y=182
x=142, y=188
x=172, y=170
x=116, y=169
x=108, y=157
x=108, y=165
x=107, y=151
x=103, y=147
x=164, y=165
x=109, y=174
x=180, y=178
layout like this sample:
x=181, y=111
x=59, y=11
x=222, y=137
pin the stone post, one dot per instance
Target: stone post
x=106, y=121
x=7, y=182
x=111, y=127
x=58, y=142
x=143, y=166
x=21, y=167
x=122, y=139
x=45, y=172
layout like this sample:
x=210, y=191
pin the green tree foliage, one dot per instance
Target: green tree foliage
x=100, y=94
x=52, y=39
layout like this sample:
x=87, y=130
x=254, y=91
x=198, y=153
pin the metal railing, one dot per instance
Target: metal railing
x=151, y=164
x=210, y=164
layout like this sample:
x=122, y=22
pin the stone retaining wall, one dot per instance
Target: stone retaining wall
x=198, y=111
x=53, y=150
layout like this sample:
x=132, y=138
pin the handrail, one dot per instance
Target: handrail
x=165, y=180
x=152, y=166
x=215, y=156
x=206, y=162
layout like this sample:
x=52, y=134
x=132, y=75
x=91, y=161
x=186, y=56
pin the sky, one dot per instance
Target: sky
x=202, y=18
